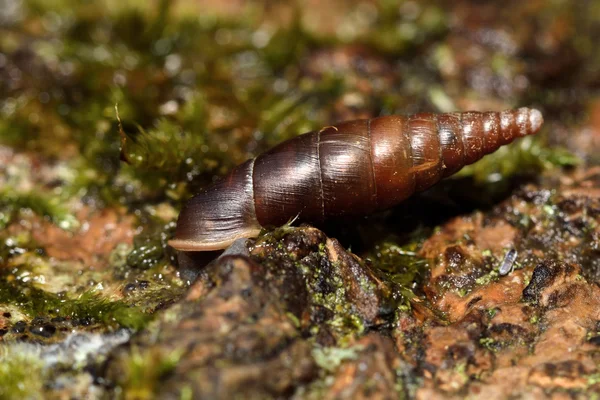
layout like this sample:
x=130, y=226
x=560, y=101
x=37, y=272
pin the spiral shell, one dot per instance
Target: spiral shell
x=352, y=168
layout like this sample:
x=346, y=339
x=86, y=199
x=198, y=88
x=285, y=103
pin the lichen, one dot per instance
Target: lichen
x=330, y=358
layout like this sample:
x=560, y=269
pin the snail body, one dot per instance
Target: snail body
x=352, y=168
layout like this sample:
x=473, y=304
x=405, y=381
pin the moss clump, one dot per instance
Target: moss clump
x=150, y=248
x=49, y=206
x=326, y=289
x=143, y=371
x=21, y=374
x=317, y=280
x=89, y=307
x=166, y=154
x=401, y=264
x=529, y=154
x=399, y=29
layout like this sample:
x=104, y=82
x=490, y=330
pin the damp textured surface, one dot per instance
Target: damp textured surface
x=112, y=114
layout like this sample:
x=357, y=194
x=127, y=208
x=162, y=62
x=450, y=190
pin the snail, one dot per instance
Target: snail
x=352, y=168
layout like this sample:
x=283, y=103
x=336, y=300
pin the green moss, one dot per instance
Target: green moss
x=347, y=322
x=593, y=379
x=15, y=130
x=489, y=344
x=294, y=319
x=21, y=374
x=45, y=205
x=150, y=247
x=398, y=29
x=344, y=322
x=530, y=154
x=146, y=254
x=334, y=299
x=487, y=278
x=143, y=371
x=186, y=393
x=88, y=306
x=401, y=264
x=165, y=154
x=323, y=282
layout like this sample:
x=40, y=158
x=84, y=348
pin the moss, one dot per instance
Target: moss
x=395, y=29
x=15, y=245
x=323, y=284
x=593, y=379
x=487, y=278
x=117, y=56
x=491, y=312
x=401, y=264
x=43, y=204
x=294, y=319
x=165, y=154
x=489, y=344
x=530, y=154
x=186, y=393
x=344, y=321
x=150, y=247
x=15, y=130
x=21, y=374
x=146, y=254
x=88, y=306
x=143, y=370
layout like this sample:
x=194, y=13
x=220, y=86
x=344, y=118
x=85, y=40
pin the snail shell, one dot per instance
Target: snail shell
x=353, y=168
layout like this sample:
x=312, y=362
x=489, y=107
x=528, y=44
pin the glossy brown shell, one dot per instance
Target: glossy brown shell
x=352, y=168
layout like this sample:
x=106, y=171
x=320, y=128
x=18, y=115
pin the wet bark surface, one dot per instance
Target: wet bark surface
x=301, y=316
